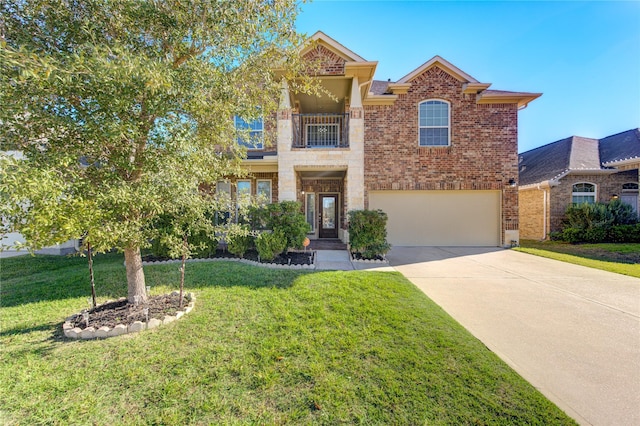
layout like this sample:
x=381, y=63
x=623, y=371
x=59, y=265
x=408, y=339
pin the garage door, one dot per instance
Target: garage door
x=440, y=218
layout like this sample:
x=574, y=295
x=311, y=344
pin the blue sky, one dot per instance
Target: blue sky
x=583, y=56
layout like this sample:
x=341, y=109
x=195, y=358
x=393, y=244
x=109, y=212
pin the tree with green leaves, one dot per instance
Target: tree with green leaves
x=121, y=107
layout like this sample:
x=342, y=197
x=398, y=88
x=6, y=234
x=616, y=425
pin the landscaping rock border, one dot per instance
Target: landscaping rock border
x=137, y=326
x=235, y=259
x=384, y=261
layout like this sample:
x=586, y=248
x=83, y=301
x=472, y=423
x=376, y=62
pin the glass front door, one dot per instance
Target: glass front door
x=328, y=216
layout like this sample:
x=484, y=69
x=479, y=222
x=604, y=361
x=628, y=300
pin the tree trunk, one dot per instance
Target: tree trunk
x=135, y=275
x=184, y=263
x=93, y=283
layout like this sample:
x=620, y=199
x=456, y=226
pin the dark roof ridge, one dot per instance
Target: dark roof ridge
x=636, y=129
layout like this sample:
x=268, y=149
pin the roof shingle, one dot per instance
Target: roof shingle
x=576, y=153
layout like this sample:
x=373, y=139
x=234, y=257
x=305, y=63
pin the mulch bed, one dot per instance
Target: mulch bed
x=122, y=312
x=290, y=258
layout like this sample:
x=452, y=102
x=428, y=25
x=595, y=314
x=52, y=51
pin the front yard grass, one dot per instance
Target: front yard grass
x=619, y=258
x=261, y=346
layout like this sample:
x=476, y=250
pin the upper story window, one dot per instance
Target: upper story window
x=251, y=134
x=583, y=193
x=434, y=123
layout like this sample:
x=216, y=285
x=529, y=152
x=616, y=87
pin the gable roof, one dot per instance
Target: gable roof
x=470, y=85
x=321, y=38
x=577, y=154
x=443, y=64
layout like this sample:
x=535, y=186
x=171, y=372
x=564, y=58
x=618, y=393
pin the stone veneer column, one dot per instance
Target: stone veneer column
x=286, y=172
x=355, y=174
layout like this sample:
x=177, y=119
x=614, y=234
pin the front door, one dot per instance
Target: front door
x=328, y=216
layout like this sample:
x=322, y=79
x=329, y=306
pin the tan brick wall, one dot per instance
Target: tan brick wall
x=482, y=154
x=606, y=186
x=531, y=207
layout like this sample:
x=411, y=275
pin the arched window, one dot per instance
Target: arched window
x=434, y=123
x=583, y=193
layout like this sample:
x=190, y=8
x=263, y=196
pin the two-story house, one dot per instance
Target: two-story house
x=436, y=150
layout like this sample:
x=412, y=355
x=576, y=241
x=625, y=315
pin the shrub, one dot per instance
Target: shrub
x=204, y=245
x=288, y=218
x=624, y=233
x=596, y=234
x=623, y=213
x=585, y=216
x=368, y=233
x=239, y=241
x=599, y=222
x=571, y=235
x=270, y=244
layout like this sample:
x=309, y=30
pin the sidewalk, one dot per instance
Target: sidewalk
x=339, y=260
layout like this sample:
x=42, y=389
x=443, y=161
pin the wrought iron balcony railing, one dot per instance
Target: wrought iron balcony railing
x=320, y=130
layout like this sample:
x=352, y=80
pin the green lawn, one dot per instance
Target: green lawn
x=261, y=347
x=618, y=258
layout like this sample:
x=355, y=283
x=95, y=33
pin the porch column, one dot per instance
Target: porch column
x=286, y=173
x=354, y=198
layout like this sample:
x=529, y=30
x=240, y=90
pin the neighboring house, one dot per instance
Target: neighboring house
x=436, y=150
x=576, y=170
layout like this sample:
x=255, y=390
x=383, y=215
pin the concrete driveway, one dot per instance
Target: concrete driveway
x=572, y=332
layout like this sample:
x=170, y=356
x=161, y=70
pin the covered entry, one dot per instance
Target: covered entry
x=440, y=218
x=323, y=201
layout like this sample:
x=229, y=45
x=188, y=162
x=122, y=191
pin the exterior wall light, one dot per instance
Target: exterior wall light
x=512, y=182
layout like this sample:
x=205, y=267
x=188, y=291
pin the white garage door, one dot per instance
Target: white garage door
x=440, y=218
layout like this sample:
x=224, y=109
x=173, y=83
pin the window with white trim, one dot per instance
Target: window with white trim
x=583, y=192
x=434, y=123
x=263, y=191
x=250, y=134
x=243, y=191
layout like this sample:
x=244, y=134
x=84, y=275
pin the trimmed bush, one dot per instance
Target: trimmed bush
x=624, y=233
x=270, y=244
x=368, y=233
x=623, y=213
x=599, y=222
x=238, y=244
x=286, y=217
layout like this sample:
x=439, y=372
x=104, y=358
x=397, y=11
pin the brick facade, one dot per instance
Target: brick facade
x=483, y=147
x=324, y=62
x=606, y=186
x=559, y=198
x=254, y=177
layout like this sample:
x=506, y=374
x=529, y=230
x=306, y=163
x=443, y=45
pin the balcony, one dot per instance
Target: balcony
x=320, y=130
